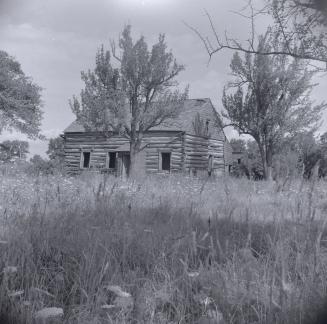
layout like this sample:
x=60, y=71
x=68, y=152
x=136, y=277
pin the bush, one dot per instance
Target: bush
x=39, y=166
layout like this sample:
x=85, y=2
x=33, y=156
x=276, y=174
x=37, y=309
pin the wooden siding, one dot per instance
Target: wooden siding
x=197, y=151
x=163, y=142
x=97, y=144
x=228, y=154
x=188, y=152
x=216, y=149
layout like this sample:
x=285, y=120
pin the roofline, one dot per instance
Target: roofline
x=115, y=133
x=218, y=116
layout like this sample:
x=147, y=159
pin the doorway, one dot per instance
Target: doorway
x=126, y=162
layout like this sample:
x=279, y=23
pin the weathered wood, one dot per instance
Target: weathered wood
x=187, y=151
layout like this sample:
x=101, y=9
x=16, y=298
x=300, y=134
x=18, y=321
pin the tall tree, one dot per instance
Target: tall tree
x=271, y=100
x=145, y=80
x=20, y=100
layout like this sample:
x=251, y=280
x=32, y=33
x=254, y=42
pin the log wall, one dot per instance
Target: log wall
x=188, y=152
x=163, y=142
x=197, y=151
x=97, y=144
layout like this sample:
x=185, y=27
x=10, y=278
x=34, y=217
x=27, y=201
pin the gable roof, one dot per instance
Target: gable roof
x=184, y=121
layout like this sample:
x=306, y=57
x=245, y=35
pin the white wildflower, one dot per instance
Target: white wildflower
x=16, y=293
x=10, y=270
x=49, y=312
x=118, y=291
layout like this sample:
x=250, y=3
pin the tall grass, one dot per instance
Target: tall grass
x=182, y=250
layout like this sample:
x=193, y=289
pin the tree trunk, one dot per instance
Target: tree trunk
x=269, y=164
x=263, y=159
x=266, y=158
x=133, y=155
x=134, y=151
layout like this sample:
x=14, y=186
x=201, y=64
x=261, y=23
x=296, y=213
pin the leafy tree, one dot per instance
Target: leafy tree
x=20, y=100
x=39, y=165
x=271, y=100
x=251, y=165
x=56, y=149
x=144, y=80
x=238, y=145
x=323, y=161
x=300, y=27
x=12, y=150
x=253, y=160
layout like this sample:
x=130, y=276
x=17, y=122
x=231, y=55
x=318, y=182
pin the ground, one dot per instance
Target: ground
x=162, y=249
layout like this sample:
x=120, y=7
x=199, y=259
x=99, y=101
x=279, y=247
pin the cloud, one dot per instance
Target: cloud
x=55, y=39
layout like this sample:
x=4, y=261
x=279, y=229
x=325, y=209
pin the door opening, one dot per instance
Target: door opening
x=165, y=161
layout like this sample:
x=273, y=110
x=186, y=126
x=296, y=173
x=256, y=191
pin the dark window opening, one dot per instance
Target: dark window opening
x=238, y=161
x=112, y=160
x=86, y=159
x=207, y=127
x=165, y=160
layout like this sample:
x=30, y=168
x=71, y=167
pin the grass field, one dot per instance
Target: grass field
x=162, y=250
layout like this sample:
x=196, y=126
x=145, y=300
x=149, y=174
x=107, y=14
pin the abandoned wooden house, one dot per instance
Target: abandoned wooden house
x=180, y=145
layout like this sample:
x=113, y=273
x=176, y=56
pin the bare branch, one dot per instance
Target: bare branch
x=113, y=51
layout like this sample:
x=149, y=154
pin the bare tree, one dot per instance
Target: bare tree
x=298, y=29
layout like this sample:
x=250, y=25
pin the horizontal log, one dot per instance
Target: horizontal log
x=196, y=142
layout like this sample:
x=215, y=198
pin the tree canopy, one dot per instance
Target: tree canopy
x=56, y=150
x=137, y=95
x=269, y=98
x=11, y=150
x=20, y=99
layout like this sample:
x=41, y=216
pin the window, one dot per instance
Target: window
x=112, y=160
x=86, y=158
x=238, y=161
x=165, y=161
x=207, y=127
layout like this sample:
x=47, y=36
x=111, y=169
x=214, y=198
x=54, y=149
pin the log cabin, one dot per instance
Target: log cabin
x=174, y=146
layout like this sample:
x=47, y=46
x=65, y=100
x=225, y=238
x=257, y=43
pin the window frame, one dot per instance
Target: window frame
x=82, y=159
x=160, y=160
x=108, y=159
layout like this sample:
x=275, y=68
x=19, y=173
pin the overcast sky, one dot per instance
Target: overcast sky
x=54, y=40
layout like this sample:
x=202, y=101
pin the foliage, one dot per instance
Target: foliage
x=299, y=26
x=136, y=96
x=20, y=100
x=271, y=100
x=12, y=150
x=40, y=166
x=238, y=145
x=251, y=164
x=75, y=243
x=56, y=149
